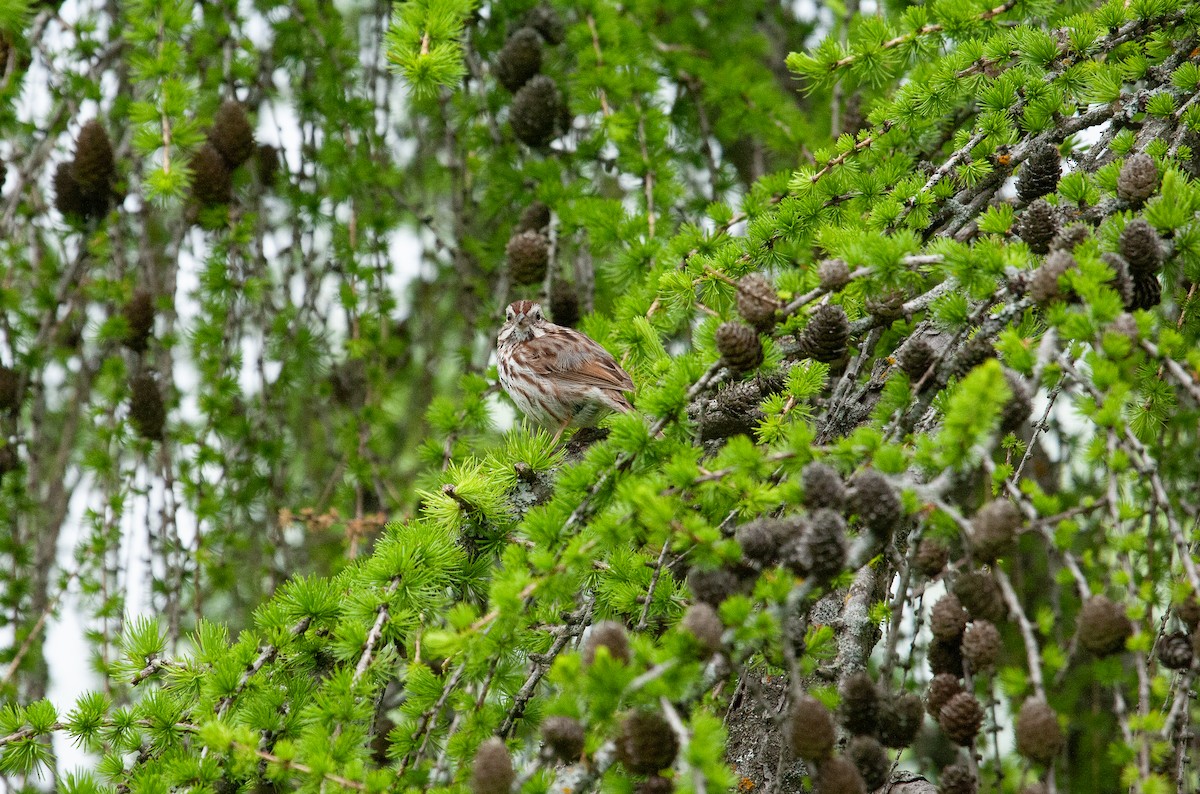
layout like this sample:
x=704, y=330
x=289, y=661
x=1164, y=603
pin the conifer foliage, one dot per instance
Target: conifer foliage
x=908, y=497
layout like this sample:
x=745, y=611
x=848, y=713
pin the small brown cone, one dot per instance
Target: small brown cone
x=981, y=644
x=838, y=776
x=492, y=771
x=231, y=134
x=528, y=255
x=212, y=184
x=739, y=346
x=941, y=688
x=646, y=743
x=1103, y=626
x=564, y=738
x=609, y=635
x=961, y=718
x=757, y=302
x=948, y=619
x=811, y=731
x=1138, y=178
x=859, y=711
x=1039, y=737
x=147, y=410
x=139, y=320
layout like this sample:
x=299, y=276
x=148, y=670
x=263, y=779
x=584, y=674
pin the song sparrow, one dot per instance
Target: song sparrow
x=557, y=376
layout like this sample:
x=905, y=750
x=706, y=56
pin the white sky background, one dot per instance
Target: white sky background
x=67, y=651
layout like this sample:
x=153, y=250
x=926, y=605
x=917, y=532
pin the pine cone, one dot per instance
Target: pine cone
x=564, y=303
x=945, y=656
x=810, y=729
x=994, y=530
x=870, y=759
x=942, y=687
x=564, y=738
x=1103, y=626
x=546, y=21
x=212, y=184
x=1070, y=237
x=1040, y=173
x=825, y=545
x=932, y=556
x=915, y=357
x=68, y=198
x=900, y=720
x=528, y=255
x=646, y=743
x=146, y=408
x=139, y=320
x=763, y=538
x=961, y=718
x=875, y=503
x=231, y=134
x=948, y=619
x=823, y=487
x=535, y=217
x=1175, y=651
x=1044, y=287
x=981, y=596
x=1019, y=406
x=976, y=351
x=957, y=779
x=834, y=274
x=1038, y=225
x=95, y=167
x=981, y=644
x=492, y=772
x=519, y=59
x=1138, y=178
x=610, y=635
x=712, y=585
x=536, y=111
x=826, y=335
x=886, y=306
x=1122, y=281
x=703, y=623
x=1147, y=293
x=838, y=776
x=859, y=711
x=10, y=394
x=1141, y=248
x=739, y=346
x=1039, y=737
x=757, y=302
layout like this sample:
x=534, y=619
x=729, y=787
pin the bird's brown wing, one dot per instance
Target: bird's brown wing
x=569, y=355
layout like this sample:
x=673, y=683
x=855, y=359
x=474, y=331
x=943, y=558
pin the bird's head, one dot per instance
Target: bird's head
x=521, y=318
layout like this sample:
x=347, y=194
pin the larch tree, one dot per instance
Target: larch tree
x=909, y=498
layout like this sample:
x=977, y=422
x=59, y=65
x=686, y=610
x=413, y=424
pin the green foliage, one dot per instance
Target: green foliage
x=362, y=565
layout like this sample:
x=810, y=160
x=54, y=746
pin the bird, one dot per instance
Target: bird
x=557, y=376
